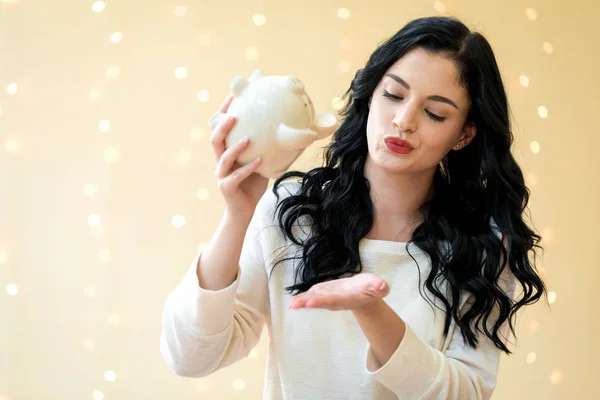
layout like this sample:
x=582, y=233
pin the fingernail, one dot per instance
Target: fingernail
x=382, y=286
x=244, y=139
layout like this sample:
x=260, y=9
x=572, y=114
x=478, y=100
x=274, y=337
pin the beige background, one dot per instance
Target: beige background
x=91, y=289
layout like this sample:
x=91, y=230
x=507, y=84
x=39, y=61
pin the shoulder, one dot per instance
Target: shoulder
x=265, y=225
x=267, y=205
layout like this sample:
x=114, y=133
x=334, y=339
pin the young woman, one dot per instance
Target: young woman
x=413, y=230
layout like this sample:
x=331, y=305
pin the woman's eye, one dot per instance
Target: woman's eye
x=435, y=117
x=391, y=96
x=431, y=115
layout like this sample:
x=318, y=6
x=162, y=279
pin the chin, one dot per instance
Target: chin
x=397, y=169
x=390, y=163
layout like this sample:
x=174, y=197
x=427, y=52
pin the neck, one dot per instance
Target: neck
x=397, y=199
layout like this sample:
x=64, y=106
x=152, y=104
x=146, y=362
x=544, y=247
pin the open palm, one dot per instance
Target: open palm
x=342, y=294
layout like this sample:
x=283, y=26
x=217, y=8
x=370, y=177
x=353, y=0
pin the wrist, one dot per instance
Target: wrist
x=236, y=219
x=371, y=308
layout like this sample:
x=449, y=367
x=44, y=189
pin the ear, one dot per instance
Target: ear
x=468, y=134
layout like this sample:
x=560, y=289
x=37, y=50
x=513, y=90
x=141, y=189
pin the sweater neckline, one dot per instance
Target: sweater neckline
x=386, y=246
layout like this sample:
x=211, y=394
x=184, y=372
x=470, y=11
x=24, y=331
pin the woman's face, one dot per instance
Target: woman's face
x=417, y=114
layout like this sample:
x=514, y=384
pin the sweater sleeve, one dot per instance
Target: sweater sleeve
x=204, y=330
x=416, y=370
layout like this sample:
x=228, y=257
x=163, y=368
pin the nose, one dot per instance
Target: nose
x=405, y=120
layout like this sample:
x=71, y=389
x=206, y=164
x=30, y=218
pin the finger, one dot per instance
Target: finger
x=216, y=119
x=325, y=303
x=240, y=174
x=221, y=124
x=301, y=299
x=234, y=180
x=226, y=103
x=380, y=288
x=315, y=303
x=217, y=138
x=297, y=303
x=221, y=113
x=229, y=156
x=384, y=290
x=376, y=291
x=303, y=302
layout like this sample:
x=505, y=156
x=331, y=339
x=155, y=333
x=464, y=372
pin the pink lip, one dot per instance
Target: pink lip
x=399, y=146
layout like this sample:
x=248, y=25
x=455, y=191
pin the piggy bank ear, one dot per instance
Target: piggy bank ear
x=324, y=124
x=294, y=84
x=256, y=75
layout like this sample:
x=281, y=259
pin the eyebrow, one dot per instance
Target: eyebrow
x=434, y=98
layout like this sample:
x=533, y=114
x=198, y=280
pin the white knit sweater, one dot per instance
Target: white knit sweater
x=321, y=354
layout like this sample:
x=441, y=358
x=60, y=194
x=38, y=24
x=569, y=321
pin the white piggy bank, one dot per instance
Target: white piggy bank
x=279, y=118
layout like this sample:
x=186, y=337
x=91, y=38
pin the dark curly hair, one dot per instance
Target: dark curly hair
x=479, y=192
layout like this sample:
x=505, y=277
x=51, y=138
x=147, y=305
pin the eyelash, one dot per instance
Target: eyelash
x=434, y=117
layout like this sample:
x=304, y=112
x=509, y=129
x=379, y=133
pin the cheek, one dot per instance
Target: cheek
x=437, y=142
x=379, y=119
x=375, y=132
x=372, y=128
